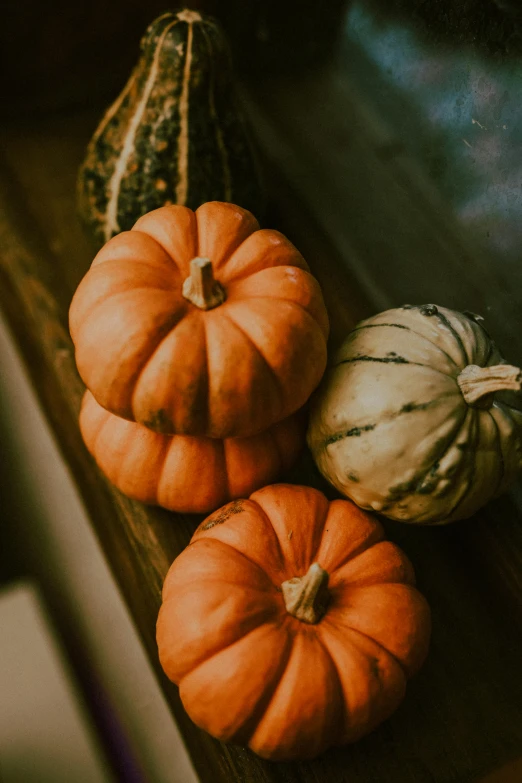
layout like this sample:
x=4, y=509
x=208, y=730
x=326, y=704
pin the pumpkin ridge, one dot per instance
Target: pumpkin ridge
x=456, y=336
x=121, y=466
x=214, y=549
x=413, y=331
x=491, y=347
x=223, y=445
x=102, y=421
x=499, y=410
x=337, y=726
x=104, y=255
x=304, y=736
x=174, y=261
x=505, y=404
x=144, y=262
x=460, y=499
x=406, y=639
x=76, y=325
x=378, y=644
x=266, y=615
x=263, y=513
x=206, y=407
x=358, y=430
x=162, y=337
x=353, y=732
x=220, y=580
x=277, y=381
x=313, y=555
x=467, y=414
x=469, y=485
x=119, y=469
x=249, y=727
x=145, y=289
x=438, y=347
x=403, y=570
x=294, y=260
x=270, y=591
x=238, y=232
x=142, y=288
x=159, y=333
x=242, y=554
x=173, y=267
x=166, y=446
x=363, y=547
x=342, y=727
x=222, y=266
x=109, y=301
x=290, y=302
x=322, y=526
x=149, y=358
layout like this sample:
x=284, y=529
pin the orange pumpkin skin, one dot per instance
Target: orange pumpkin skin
x=187, y=473
x=150, y=355
x=251, y=673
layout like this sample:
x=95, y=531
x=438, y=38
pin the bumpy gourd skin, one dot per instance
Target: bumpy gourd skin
x=149, y=354
x=175, y=134
x=251, y=672
x=390, y=427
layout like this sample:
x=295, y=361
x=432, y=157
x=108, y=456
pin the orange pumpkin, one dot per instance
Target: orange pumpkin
x=290, y=624
x=161, y=341
x=183, y=472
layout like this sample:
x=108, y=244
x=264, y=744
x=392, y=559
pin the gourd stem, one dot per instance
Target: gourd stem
x=307, y=597
x=478, y=384
x=200, y=287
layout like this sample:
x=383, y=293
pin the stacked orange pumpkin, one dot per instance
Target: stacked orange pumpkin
x=199, y=337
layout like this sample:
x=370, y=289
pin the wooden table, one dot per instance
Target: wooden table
x=370, y=226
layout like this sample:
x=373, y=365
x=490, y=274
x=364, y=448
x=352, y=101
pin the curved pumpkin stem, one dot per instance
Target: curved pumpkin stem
x=307, y=597
x=478, y=384
x=200, y=287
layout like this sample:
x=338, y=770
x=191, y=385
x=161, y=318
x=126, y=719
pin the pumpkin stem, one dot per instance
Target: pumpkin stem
x=478, y=384
x=200, y=287
x=306, y=597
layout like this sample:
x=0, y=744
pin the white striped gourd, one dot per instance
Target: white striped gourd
x=408, y=420
x=175, y=134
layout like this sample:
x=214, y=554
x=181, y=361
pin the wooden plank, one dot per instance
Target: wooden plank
x=510, y=773
x=463, y=713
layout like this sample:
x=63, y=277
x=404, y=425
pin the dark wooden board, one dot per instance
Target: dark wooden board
x=463, y=713
x=387, y=221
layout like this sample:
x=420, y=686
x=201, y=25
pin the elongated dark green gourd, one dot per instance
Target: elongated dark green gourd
x=175, y=134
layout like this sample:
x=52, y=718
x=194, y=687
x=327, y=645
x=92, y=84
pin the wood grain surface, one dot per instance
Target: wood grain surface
x=363, y=217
